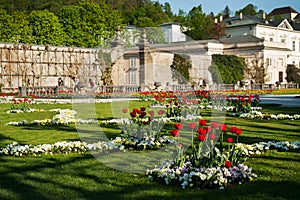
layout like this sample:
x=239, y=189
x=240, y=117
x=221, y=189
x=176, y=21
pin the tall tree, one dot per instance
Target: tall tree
x=89, y=24
x=167, y=9
x=198, y=24
x=46, y=28
x=293, y=74
x=250, y=9
x=226, y=12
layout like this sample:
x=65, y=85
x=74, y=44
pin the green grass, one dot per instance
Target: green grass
x=81, y=176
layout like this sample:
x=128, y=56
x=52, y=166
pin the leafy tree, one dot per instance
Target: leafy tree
x=223, y=67
x=167, y=9
x=293, y=74
x=180, y=17
x=226, y=12
x=5, y=20
x=89, y=24
x=217, y=31
x=198, y=24
x=250, y=9
x=46, y=28
x=180, y=68
x=20, y=28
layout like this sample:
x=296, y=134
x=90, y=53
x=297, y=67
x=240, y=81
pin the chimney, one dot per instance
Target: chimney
x=241, y=15
x=264, y=15
x=216, y=20
x=221, y=18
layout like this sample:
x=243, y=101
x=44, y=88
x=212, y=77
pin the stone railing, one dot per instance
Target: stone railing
x=119, y=89
x=55, y=90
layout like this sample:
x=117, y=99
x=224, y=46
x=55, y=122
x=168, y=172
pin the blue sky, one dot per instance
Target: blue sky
x=217, y=6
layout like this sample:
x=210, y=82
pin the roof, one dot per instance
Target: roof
x=240, y=39
x=297, y=17
x=282, y=10
x=248, y=20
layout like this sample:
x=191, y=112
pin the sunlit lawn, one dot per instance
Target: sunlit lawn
x=81, y=176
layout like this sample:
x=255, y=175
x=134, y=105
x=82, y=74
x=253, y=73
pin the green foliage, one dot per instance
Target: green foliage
x=180, y=68
x=292, y=74
x=198, y=24
x=250, y=9
x=227, y=69
x=89, y=24
x=46, y=28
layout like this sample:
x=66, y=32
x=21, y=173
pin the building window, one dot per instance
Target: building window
x=132, y=77
x=271, y=39
x=280, y=62
x=294, y=45
x=132, y=63
x=269, y=62
x=282, y=40
x=280, y=76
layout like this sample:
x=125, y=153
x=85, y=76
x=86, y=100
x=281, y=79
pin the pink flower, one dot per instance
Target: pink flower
x=212, y=136
x=223, y=127
x=151, y=113
x=192, y=125
x=214, y=124
x=125, y=110
x=160, y=112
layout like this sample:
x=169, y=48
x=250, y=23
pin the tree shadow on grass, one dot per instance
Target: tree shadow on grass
x=84, y=177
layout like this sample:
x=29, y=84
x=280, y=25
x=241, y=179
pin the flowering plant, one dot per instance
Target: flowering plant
x=143, y=129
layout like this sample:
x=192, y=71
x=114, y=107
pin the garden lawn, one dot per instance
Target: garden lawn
x=81, y=176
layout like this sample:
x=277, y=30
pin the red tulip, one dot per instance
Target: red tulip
x=232, y=129
x=202, y=131
x=143, y=108
x=202, y=122
x=230, y=140
x=238, y=131
x=227, y=164
x=178, y=126
x=133, y=114
x=201, y=137
x=143, y=114
x=174, y=133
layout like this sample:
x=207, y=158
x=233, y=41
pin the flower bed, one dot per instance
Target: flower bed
x=260, y=115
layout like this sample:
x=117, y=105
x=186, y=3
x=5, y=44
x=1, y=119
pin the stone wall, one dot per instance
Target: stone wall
x=33, y=65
